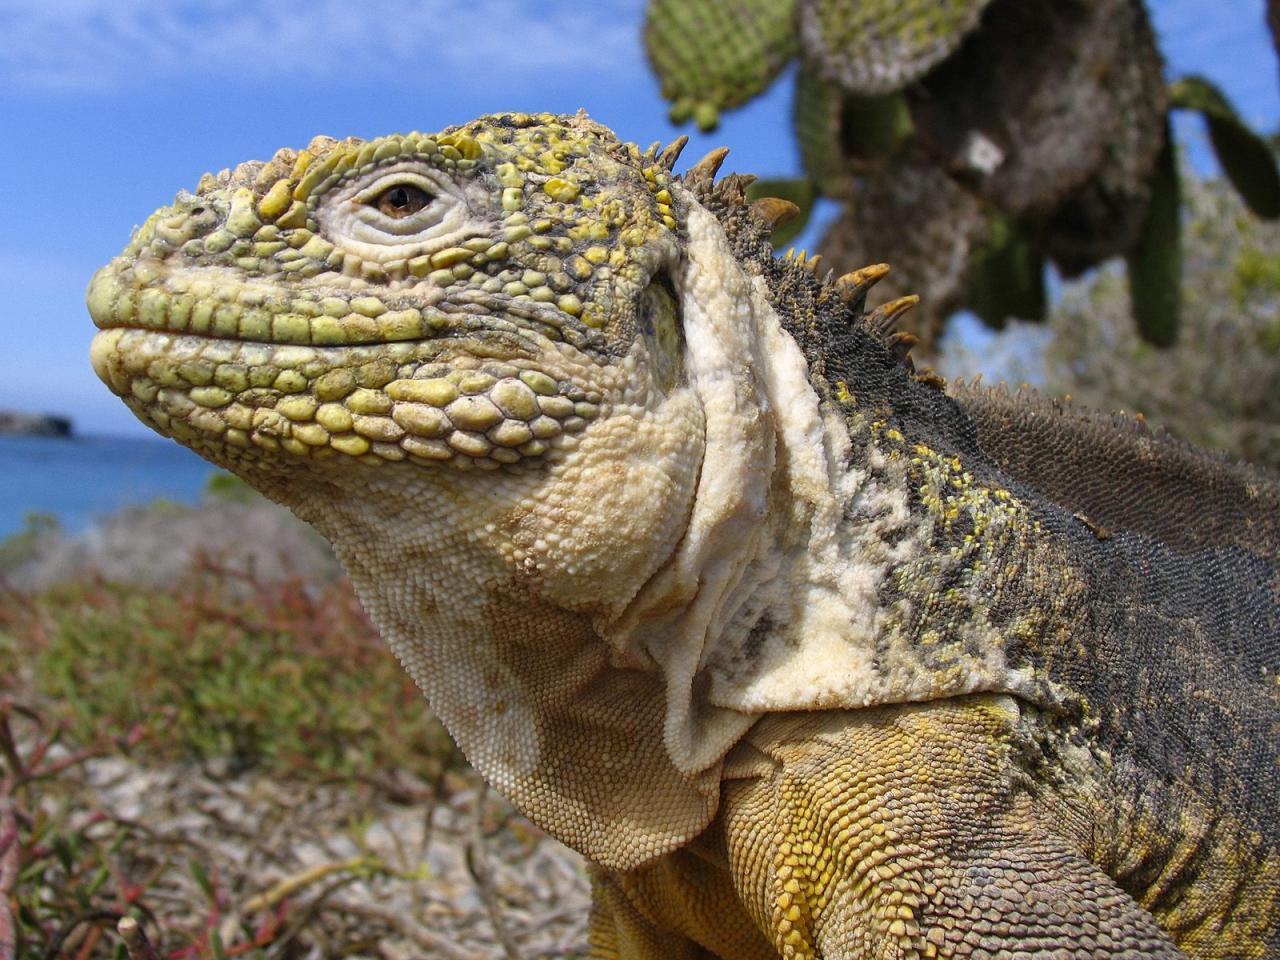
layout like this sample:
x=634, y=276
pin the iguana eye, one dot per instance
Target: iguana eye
x=401, y=200
x=400, y=211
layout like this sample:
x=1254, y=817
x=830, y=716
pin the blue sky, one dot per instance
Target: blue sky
x=109, y=107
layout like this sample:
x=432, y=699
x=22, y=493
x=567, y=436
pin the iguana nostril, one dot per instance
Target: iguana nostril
x=202, y=220
x=184, y=225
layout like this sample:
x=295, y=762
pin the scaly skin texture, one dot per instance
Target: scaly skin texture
x=809, y=657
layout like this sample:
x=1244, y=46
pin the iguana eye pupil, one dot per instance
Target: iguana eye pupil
x=402, y=200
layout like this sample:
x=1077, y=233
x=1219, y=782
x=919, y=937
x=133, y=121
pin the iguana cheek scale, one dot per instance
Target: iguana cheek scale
x=693, y=567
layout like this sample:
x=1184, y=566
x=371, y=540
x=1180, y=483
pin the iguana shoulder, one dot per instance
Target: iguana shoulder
x=809, y=655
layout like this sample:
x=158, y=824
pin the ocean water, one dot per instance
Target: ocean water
x=79, y=479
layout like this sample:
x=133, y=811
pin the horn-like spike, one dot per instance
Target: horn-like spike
x=709, y=165
x=884, y=316
x=671, y=153
x=814, y=262
x=774, y=211
x=900, y=343
x=858, y=282
x=931, y=378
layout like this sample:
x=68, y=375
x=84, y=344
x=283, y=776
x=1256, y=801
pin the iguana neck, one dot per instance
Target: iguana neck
x=818, y=535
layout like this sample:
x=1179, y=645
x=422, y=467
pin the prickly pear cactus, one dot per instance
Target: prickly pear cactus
x=713, y=55
x=878, y=46
x=1035, y=126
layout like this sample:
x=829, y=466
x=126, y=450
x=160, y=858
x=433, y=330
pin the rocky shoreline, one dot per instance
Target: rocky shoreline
x=13, y=423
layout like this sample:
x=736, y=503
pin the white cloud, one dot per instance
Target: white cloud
x=79, y=46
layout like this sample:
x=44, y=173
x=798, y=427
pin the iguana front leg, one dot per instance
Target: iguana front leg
x=912, y=831
x=898, y=832
x=684, y=906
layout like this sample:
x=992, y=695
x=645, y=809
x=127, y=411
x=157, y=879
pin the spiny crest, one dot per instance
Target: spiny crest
x=671, y=153
x=883, y=317
x=774, y=211
x=802, y=258
x=703, y=173
x=727, y=197
x=852, y=287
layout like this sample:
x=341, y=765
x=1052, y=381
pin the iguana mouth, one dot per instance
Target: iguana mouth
x=216, y=303
x=465, y=384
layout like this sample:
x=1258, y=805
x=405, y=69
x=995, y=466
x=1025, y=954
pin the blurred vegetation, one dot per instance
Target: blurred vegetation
x=1218, y=385
x=37, y=530
x=287, y=679
x=286, y=676
x=228, y=487
x=1215, y=387
x=970, y=142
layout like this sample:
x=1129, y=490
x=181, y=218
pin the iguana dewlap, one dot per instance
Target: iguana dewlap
x=810, y=657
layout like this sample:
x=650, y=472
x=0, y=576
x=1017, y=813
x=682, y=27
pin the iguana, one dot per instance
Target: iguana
x=808, y=655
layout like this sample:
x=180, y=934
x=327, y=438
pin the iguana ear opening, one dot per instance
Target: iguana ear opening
x=660, y=322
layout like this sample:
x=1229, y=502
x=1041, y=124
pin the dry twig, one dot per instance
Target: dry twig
x=482, y=874
x=136, y=943
x=428, y=940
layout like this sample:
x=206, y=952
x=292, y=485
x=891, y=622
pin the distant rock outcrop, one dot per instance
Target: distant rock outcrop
x=157, y=544
x=34, y=424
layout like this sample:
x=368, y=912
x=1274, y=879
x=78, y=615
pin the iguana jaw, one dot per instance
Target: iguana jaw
x=269, y=388
x=273, y=407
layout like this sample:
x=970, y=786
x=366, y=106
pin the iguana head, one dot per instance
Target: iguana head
x=463, y=358
x=449, y=299
x=424, y=311
x=552, y=425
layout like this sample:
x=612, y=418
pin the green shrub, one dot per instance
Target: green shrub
x=287, y=676
x=230, y=488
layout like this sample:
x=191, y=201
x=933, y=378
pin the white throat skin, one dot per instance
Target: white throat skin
x=764, y=541
x=763, y=479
